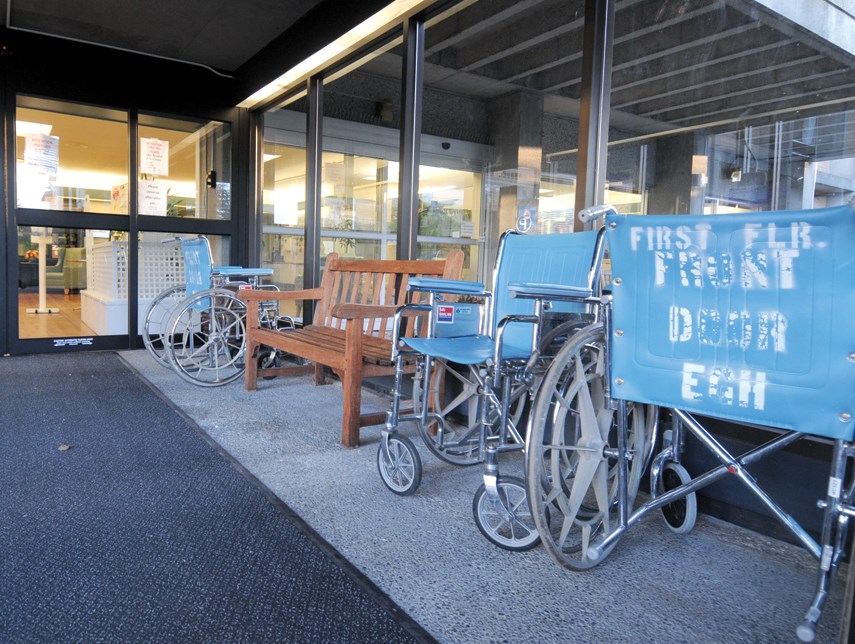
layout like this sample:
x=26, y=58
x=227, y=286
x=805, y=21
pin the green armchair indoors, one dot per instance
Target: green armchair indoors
x=69, y=272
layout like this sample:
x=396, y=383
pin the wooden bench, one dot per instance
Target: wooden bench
x=351, y=329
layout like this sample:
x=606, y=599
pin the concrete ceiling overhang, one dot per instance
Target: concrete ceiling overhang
x=249, y=42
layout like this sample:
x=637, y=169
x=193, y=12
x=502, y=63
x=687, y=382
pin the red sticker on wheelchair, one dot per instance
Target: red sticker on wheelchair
x=445, y=314
x=245, y=287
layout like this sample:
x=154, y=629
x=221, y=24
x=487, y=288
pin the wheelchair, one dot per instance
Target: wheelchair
x=743, y=317
x=198, y=328
x=477, y=364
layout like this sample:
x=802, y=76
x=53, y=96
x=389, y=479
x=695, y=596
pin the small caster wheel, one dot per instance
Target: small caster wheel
x=400, y=467
x=806, y=631
x=268, y=359
x=680, y=515
x=506, y=520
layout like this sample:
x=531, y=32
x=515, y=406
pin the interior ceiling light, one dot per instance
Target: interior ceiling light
x=394, y=13
x=23, y=128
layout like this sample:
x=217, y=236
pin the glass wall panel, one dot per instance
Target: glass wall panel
x=84, y=288
x=501, y=95
x=719, y=107
x=185, y=168
x=359, y=195
x=356, y=206
x=359, y=208
x=61, y=278
x=450, y=215
x=283, y=234
x=70, y=156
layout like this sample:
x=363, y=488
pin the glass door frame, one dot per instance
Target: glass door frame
x=132, y=223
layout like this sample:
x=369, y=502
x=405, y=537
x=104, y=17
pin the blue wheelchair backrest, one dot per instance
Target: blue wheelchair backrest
x=564, y=259
x=198, y=264
x=746, y=317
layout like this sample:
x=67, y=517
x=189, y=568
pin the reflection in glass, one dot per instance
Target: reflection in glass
x=726, y=109
x=450, y=215
x=356, y=206
x=284, y=216
x=501, y=94
x=185, y=168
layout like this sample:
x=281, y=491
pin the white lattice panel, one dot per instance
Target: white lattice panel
x=107, y=270
x=160, y=266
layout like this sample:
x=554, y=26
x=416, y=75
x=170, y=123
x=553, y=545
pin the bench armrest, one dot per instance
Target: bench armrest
x=362, y=311
x=263, y=295
x=440, y=285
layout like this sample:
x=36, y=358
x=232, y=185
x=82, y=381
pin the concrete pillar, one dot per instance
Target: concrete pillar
x=675, y=190
x=516, y=123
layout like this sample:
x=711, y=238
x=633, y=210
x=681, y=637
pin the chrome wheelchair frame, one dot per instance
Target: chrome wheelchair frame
x=198, y=328
x=495, y=362
x=659, y=341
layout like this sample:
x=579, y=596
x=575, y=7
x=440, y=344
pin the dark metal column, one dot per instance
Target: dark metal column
x=314, y=170
x=8, y=231
x=133, y=230
x=596, y=90
x=411, y=137
x=247, y=186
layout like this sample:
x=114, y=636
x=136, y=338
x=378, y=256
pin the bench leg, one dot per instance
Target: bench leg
x=250, y=377
x=320, y=375
x=351, y=383
x=352, y=388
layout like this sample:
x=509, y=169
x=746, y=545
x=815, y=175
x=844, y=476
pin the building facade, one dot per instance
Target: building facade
x=440, y=127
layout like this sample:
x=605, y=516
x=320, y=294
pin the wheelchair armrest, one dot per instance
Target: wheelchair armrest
x=240, y=271
x=500, y=338
x=536, y=291
x=408, y=310
x=440, y=285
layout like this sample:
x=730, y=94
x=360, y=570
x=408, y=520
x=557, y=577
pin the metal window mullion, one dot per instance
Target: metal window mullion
x=411, y=131
x=133, y=228
x=314, y=175
x=596, y=96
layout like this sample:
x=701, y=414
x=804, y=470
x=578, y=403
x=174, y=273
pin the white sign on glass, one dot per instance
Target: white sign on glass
x=42, y=151
x=152, y=198
x=154, y=157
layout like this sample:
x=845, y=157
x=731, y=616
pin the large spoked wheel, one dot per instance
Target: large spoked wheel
x=679, y=515
x=399, y=464
x=571, y=462
x=505, y=519
x=452, y=432
x=156, y=322
x=208, y=334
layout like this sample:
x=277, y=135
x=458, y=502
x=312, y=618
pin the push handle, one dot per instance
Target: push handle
x=595, y=212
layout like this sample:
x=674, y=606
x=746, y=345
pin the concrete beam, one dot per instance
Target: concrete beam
x=830, y=20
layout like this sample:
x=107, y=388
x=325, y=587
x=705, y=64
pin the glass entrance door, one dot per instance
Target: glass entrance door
x=89, y=221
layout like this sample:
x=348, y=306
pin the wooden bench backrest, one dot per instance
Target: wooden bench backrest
x=376, y=282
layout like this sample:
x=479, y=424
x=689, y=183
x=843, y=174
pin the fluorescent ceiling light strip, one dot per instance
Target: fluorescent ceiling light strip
x=360, y=35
